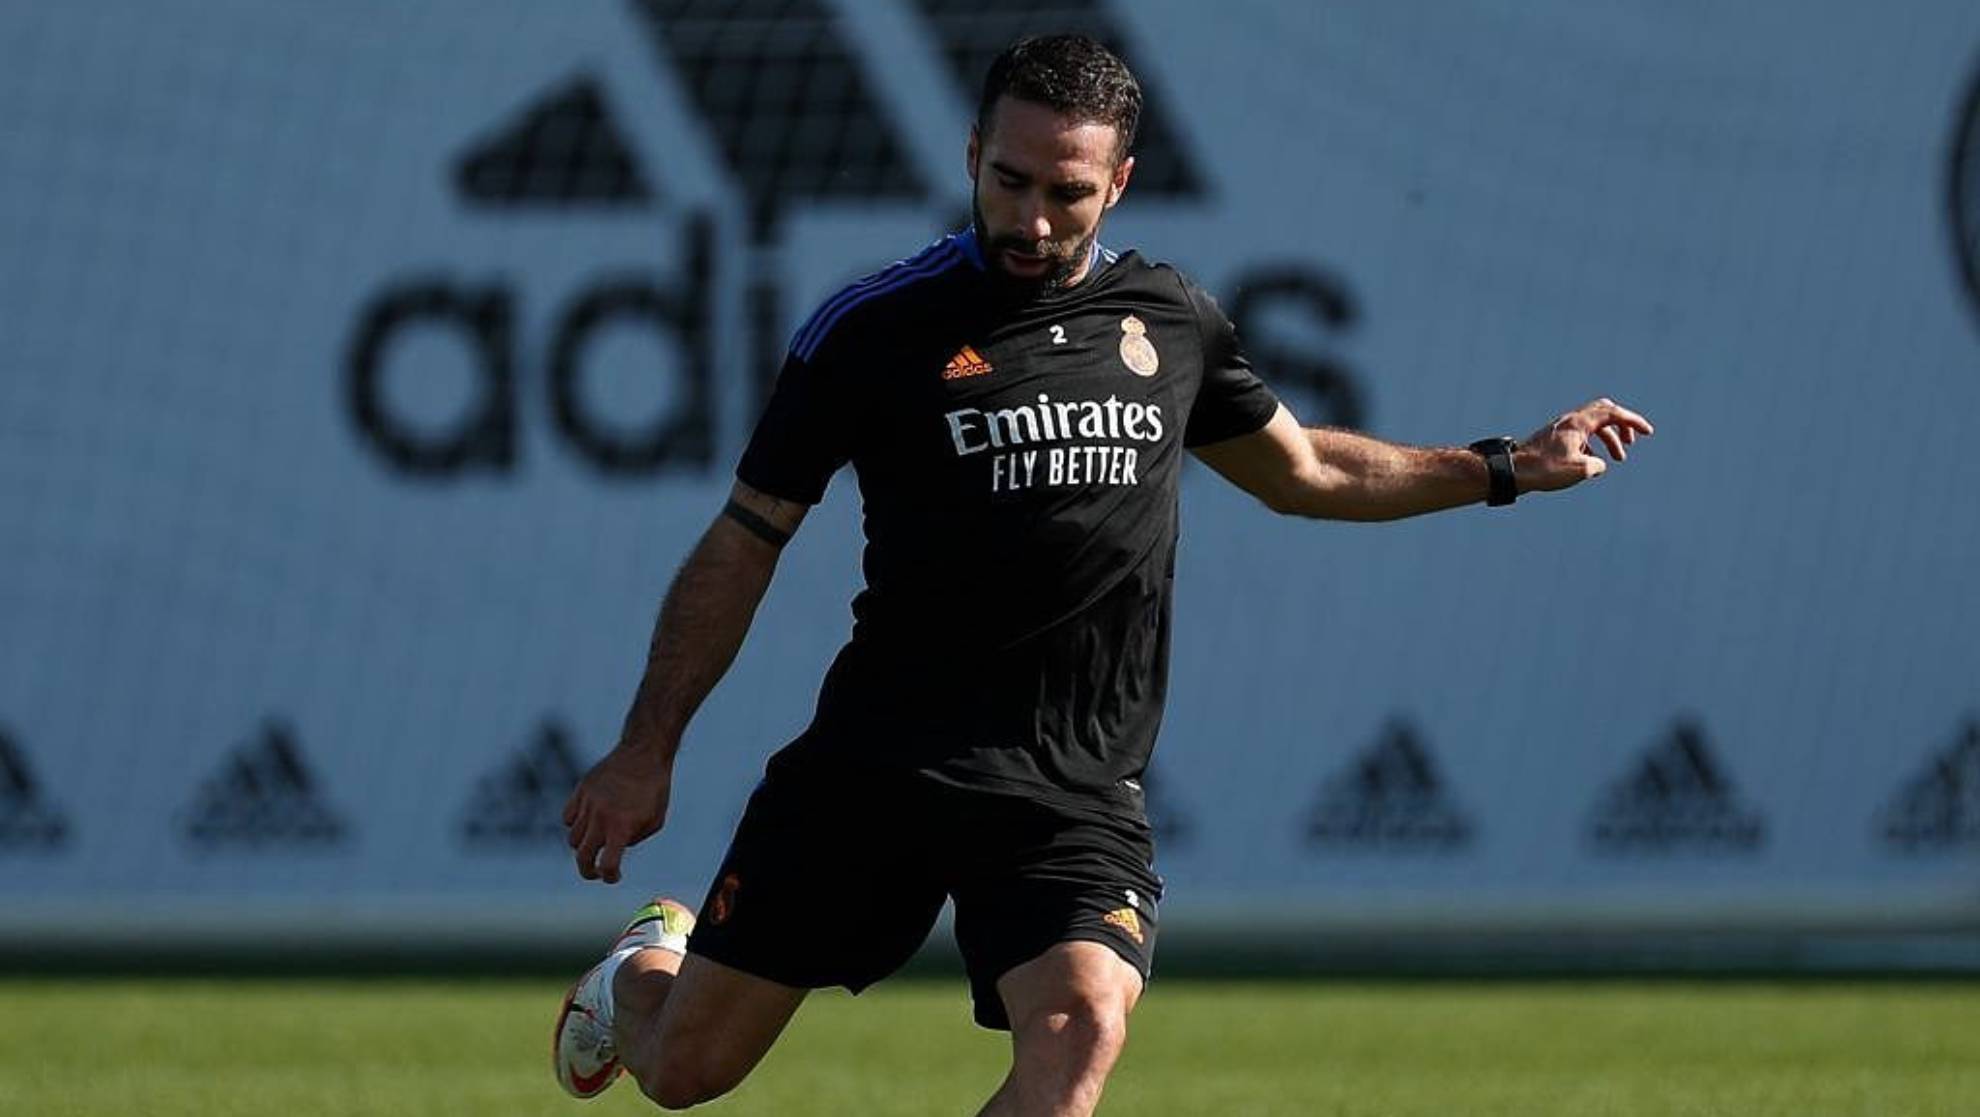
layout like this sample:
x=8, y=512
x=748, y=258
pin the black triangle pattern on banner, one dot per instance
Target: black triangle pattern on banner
x=1391, y=798
x=1939, y=808
x=521, y=803
x=1676, y=800
x=563, y=150
x=263, y=796
x=27, y=821
x=783, y=96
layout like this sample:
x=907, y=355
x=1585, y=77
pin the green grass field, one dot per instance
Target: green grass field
x=430, y=1048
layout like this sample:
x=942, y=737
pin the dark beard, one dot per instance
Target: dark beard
x=1057, y=277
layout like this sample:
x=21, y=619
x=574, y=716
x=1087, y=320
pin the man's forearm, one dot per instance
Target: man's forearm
x=703, y=620
x=1364, y=478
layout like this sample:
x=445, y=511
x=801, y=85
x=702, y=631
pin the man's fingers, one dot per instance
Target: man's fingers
x=1592, y=466
x=1596, y=414
x=600, y=847
x=1608, y=411
x=587, y=857
x=571, y=808
x=608, y=861
x=1613, y=440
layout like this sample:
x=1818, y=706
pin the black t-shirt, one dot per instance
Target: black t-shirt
x=1018, y=460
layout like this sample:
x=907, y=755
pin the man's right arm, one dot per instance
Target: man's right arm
x=706, y=614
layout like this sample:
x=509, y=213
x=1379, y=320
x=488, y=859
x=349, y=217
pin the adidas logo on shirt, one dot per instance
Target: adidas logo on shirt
x=1390, y=799
x=1938, y=809
x=262, y=796
x=965, y=364
x=1676, y=800
x=521, y=802
x=28, y=823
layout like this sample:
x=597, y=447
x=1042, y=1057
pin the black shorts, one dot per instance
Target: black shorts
x=836, y=879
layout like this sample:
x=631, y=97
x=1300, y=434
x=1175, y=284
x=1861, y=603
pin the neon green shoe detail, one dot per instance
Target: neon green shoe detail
x=663, y=922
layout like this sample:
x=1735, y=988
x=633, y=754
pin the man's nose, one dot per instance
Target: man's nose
x=1034, y=222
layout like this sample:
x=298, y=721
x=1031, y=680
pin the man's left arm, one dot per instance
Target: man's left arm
x=1333, y=474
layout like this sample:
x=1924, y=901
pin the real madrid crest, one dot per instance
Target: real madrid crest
x=1137, y=352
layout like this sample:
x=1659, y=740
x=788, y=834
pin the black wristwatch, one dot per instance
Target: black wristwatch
x=1498, y=455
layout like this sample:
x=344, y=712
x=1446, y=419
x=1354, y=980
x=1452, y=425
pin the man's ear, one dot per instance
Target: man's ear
x=1119, y=186
x=975, y=150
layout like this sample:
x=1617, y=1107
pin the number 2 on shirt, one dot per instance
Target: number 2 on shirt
x=1058, y=335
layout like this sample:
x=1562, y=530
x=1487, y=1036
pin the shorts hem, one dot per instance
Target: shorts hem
x=999, y=1019
x=1121, y=950
x=752, y=969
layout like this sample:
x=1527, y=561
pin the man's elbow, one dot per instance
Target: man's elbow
x=1326, y=495
x=1304, y=494
x=1286, y=502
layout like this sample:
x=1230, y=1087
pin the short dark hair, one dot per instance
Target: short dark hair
x=1073, y=75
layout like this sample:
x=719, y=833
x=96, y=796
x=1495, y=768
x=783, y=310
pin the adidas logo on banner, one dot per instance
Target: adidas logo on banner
x=785, y=97
x=263, y=796
x=521, y=803
x=1676, y=801
x=1390, y=799
x=27, y=822
x=1939, y=808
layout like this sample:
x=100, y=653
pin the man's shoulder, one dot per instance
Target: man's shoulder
x=1158, y=282
x=880, y=294
x=1150, y=277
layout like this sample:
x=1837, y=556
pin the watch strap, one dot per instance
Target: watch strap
x=1498, y=454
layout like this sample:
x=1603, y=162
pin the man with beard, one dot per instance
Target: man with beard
x=1016, y=401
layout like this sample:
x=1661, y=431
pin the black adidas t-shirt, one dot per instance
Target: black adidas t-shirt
x=1018, y=461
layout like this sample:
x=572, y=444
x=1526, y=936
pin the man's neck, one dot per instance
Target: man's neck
x=973, y=248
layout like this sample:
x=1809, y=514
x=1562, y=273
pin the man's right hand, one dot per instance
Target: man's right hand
x=621, y=802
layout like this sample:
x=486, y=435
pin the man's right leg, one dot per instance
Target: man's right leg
x=821, y=886
x=690, y=1030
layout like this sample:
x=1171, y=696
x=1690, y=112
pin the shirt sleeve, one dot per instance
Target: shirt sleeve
x=806, y=431
x=1232, y=400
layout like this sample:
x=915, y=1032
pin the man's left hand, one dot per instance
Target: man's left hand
x=1560, y=454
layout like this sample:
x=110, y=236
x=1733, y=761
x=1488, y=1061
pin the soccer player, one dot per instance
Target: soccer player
x=1016, y=401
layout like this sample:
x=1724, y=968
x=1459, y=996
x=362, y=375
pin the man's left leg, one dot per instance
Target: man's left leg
x=1068, y=1010
x=1056, y=919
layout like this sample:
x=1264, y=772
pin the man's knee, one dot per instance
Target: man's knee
x=676, y=1084
x=688, y=1073
x=1088, y=1029
x=717, y=1024
x=1069, y=1008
